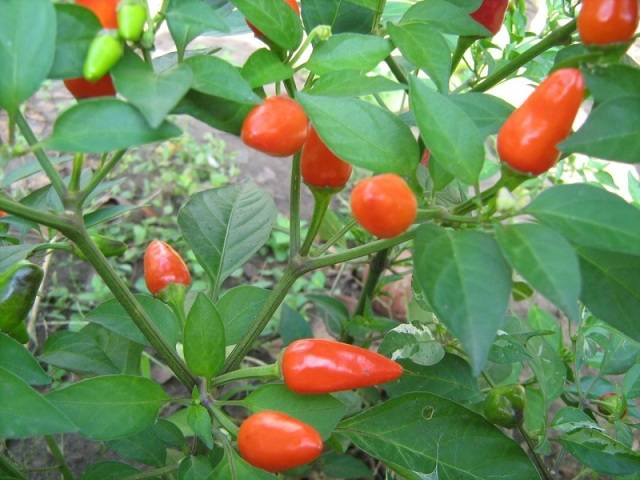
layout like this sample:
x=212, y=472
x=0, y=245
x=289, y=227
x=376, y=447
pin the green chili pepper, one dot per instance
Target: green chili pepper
x=18, y=289
x=504, y=406
x=105, y=51
x=132, y=15
x=110, y=247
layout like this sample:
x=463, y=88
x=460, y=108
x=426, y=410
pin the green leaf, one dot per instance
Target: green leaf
x=548, y=367
x=545, y=260
x=451, y=378
x=187, y=19
x=123, y=353
x=486, y=111
x=345, y=467
x=420, y=432
x=27, y=48
x=612, y=132
x=108, y=470
x=78, y=352
x=239, y=307
x=293, y=325
x=341, y=15
x=412, y=342
x=337, y=53
x=448, y=132
x=426, y=48
x=216, y=112
x=349, y=83
x=351, y=129
x=226, y=226
x=612, y=81
x=102, y=125
x=589, y=216
x=15, y=358
x=216, y=77
x=112, y=316
x=112, y=406
x=144, y=447
x=232, y=467
x=601, y=453
x=611, y=288
x=446, y=17
x=200, y=422
x=276, y=20
x=204, y=341
x=452, y=268
x=155, y=95
x=323, y=412
x=195, y=468
x=263, y=67
x=337, y=314
x=76, y=28
x=25, y=413
x=11, y=254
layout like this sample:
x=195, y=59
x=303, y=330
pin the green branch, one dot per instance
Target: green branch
x=322, y=200
x=7, y=466
x=59, y=457
x=47, y=219
x=376, y=268
x=99, y=176
x=294, y=208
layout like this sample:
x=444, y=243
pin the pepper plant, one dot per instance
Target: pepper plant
x=492, y=203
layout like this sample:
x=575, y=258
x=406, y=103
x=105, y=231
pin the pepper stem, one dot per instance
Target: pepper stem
x=264, y=371
x=322, y=200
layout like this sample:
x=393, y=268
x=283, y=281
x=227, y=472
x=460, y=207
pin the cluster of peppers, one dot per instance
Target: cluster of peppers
x=121, y=20
x=272, y=440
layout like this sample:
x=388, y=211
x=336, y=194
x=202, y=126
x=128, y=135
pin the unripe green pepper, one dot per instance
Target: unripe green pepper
x=105, y=51
x=612, y=405
x=132, y=15
x=504, y=406
x=18, y=290
x=110, y=247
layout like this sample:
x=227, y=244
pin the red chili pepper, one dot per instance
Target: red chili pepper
x=294, y=6
x=3, y=213
x=528, y=140
x=105, y=10
x=426, y=156
x=276, y=442
x=320, y=167
x=81, y=88
x=318, y=366
x=603, y=22
x=163, y=266
x=384, y=205
x=491, y=14
x=277, y=127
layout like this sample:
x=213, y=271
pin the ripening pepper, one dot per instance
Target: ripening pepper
x=276, y=442
x=528, y=140
x=277, y=127
x=320, y=167
x=490, y=14
x=3, y=213
x=105, y=51
x=384, y=205
x=316, y=366
x=81, y=89
x=504, y=406
x=105, y=10
x=19, y=287
x=110, y=247
x=163, y=266
x=606, y=22
x=612, y=405
x=132, y=16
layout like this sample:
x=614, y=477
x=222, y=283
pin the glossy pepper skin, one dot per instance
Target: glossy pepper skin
x=490, y=14
x=605, y=22
x=81, y=89
x=163, y=266
x=317, y=366
x=384, y=205
x=277, y=127
x=320, y=167
x=104, y=53
x=504, y=406
x=294, y=6
x=105, y=10
x=132, y=16
x=613, y=406
x=18, y=290
x=276, y=442
x=528, y=140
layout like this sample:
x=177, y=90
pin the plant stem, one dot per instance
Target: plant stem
x=537, y=460
x=294, y=209
x=273, y=302
x=152, y=473
x=376, y=268
x=264, y=371
x=161, y=15
x=461, y=47
x=41, y=156
x=543, y=45
x=76, y=172
x=322, y=200
x=131, y=305
x=52, y=220
x=59, y=456
x=224, y=421
x=7, y=466
x=396, y=70
x=336, y=237
x=100, y=175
